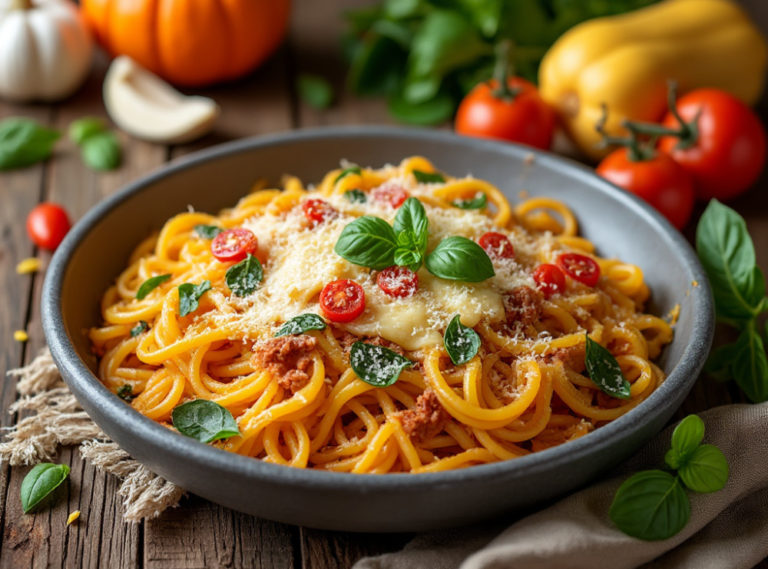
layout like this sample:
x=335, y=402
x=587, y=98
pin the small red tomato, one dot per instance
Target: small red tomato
x=580, y=267
x=727, y=154
x=550, y=279
x=342, y=300
x=234, y=245
x=398, y=281
x=392, y=194
x=47, y=224
x=659, y=180
x=318, y=210
x=497, y=245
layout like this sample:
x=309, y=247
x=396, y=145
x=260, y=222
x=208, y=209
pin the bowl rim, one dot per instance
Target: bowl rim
x=178, y=446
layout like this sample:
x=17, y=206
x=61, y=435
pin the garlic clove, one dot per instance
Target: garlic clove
x=145, y=106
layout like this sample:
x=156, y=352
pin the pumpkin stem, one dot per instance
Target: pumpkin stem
x=21, y=5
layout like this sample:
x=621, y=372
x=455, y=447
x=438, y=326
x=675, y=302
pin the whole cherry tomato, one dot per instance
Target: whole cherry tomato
x=550, y=279
x=399, y=282
x=342, y=300
x=234, y=245
x=580, y=268
x=497, y=245
x=47, y=224
x=318, y=210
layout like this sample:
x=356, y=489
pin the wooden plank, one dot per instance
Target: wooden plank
x=341, y=550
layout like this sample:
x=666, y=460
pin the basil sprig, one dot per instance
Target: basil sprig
x=377, y=365
x=461, y=259
x=149, y=285
x=43, y=479
x=189, y=296
x=428, y=177
x=653, y=505
x=347, y=171
x=478, y=202
x=355, y=196
x=125, y=392
x=205, y=421
x=369, y=242
x=461, y=342
x=24, y=142
x=244, y=277
x=300, y=324
x=728, y=255
x=207, y=231
x=605, y=371
x=140, y=328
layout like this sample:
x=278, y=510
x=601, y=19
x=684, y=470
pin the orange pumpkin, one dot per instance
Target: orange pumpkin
x=190, y=42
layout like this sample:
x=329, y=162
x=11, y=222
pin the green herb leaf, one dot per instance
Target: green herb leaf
x=651, y=506
x=369, y=242
x=429, y=177
x=101, y=151
x=412, y=217
x=408, y=258
x=189, y=296
x=125, y=392
x=688, y=434
x=355, y=196
x=461, y=342
x=378, y=59
x=149, y=285
x=461, y=259
x=40, y=482
x=300, y=324
x=244, y=278
x=314, y=90
x=377, y=365
x=139, y=328
x=434, y=111
x=478, y=202
x=24, y=142
x=605, y=371
x=347, y=171
x=204, y=421
x=207, y=231
x=750, y=367
x=719, y=364
x=674, y=459
x=84, y=128
x=705, y=469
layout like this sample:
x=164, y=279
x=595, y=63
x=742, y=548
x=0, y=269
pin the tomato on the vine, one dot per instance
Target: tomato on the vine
x=234, y=245
x=579, y=267
x=342, y=300
x=549, y=278
x=47, y=225
x=399, y=282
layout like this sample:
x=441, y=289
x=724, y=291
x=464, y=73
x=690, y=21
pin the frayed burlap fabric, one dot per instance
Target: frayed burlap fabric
x=53, y=417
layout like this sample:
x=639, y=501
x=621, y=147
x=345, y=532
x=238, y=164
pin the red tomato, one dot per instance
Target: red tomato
x=342, y=300
x=47, y=224
x=550, y=279
x=580, y=267
x=318, y=210
x=391, y=194
x=660, y=181
x=398, y=281
x=729, y=153
x=497, y=245
x=526, y=118
x=234, y=245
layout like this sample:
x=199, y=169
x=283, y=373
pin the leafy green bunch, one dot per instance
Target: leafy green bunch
x=424, y=55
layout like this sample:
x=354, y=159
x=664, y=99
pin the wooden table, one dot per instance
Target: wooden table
x=198, y=533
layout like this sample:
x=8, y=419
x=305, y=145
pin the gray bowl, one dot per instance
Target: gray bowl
x=97, y=249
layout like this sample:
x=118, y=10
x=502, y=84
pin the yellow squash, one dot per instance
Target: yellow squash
x=625, y=62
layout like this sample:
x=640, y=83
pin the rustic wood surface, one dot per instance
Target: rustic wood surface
x=199, y=533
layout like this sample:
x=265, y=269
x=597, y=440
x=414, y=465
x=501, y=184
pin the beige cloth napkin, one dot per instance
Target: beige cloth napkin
x=728, y=529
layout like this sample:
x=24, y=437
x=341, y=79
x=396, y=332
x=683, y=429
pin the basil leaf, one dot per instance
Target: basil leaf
x=428, y=177
x=434, y=111
x=205, y=421
x=728, y=255
x=750, y=367
x=411, y=219
x=674, y=458
x=369, y=242
x=478, y=202
x=688, y=434
x=139, y=328
x=719, y=364
x=651, y=506
x=207, y=231
x=461, y=259
x=408, y=258
x=24, y=142
x=40, y=482
x=347, y=172
x=125, y=392
x=84, y=128
x=300, y=324
x=101, y=151
x=244, y=278
x=189, y=296
x=605, y=372
x=377, y=365
x=149, y=285
x=461, y=342
x=705, y=469
x=355, y=196
x=314, y=90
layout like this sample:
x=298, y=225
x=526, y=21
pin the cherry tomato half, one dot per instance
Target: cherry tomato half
x=580, y=268
x=342, y=300
x=729, y=152
x=318, y=210
x=392, y=194
x=660, y=181
x=497, y=245
x=47, y=224
x=550, y=279
x=399, y=282
x=234, y=245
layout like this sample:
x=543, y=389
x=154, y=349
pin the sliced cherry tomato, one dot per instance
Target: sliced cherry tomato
x=342, y=300
x=580, y=268
x=318, y=210
x=234, y=245
x=550, y=279
x=47, y=224
x=398, y=281
x=497, y=245
x=394, y=195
